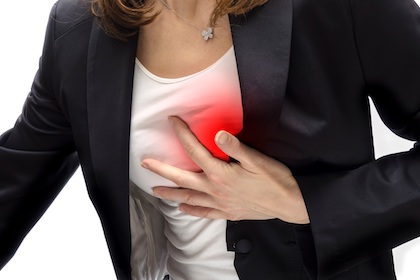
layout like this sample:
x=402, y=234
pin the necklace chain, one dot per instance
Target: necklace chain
x=205, y=33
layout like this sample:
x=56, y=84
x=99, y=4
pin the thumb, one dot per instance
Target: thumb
x=231, y=146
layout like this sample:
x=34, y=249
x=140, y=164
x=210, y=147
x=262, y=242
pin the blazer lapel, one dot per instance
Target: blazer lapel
x=262, y=47
x=109, y=93
x=262, y=40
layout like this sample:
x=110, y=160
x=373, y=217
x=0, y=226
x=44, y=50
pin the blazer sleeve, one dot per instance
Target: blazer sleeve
x=358, y=214
x=37, y=157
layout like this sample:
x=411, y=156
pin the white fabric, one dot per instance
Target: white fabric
x=149, y=254
x=208, y=101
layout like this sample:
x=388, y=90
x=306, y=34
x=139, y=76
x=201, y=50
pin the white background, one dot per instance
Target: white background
x=67, y=243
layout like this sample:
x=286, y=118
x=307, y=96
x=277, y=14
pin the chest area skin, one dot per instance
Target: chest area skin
x=173, y=47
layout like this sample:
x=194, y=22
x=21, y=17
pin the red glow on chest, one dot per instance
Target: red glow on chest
x=221, y=118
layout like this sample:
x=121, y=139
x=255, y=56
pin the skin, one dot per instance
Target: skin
x=256, y=187
x=170, y=48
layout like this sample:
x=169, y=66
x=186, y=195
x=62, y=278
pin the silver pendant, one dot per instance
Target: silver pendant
x=207, y=34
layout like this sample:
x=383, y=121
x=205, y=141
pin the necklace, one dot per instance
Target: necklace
x=205, y=33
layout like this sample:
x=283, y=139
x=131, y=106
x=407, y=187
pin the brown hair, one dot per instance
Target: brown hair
x=121, y=19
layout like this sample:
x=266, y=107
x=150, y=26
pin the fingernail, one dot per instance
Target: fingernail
x=144, y=165
x=156, y=194
x=222, y=137
x=171, y=120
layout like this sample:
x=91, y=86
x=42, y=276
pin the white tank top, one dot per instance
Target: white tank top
x=207, y=101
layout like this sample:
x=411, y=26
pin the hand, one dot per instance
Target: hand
x=256, y=187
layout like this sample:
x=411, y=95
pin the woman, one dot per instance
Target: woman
x=298, y=76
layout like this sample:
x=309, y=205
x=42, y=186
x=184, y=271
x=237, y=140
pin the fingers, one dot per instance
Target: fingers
x=214, y=214
x=203, y=212
x=194, y=203
x=195, y=150
x=185, y=196
x=228, y=143
x=182, y=178
x=237, y=150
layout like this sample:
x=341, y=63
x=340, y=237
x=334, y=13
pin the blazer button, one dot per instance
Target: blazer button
x=243, y=246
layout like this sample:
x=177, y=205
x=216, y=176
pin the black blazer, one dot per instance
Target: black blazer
x=306, y=70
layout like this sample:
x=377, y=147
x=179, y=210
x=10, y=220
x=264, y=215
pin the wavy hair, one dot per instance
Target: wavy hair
x=121, y=19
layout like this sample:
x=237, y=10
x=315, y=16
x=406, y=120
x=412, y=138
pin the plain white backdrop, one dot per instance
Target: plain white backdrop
x=68, y=243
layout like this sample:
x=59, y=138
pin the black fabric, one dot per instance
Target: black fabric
x=306, y=70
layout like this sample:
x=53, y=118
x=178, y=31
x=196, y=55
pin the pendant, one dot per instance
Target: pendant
x=207, y=34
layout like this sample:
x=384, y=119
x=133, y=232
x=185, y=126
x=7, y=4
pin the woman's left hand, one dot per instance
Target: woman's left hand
x=256, y=187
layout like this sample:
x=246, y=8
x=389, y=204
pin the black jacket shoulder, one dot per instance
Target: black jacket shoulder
x=69, y=15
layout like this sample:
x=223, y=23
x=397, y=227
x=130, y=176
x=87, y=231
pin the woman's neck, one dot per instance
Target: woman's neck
x=191, y=9
x=171, y=47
